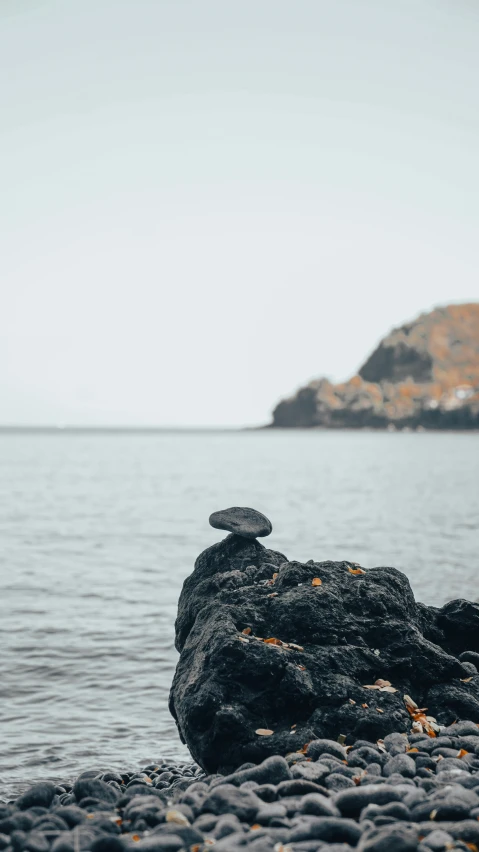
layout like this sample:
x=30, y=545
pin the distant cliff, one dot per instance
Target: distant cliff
x=423, y=374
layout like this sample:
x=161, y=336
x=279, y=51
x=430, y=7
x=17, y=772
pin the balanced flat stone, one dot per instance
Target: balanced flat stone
x=241, y=521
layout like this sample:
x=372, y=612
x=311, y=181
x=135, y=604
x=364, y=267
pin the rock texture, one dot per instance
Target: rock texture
x=276, y=653
x=423, y=374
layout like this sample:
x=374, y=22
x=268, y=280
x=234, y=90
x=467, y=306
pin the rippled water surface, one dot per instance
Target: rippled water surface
x=98, y=532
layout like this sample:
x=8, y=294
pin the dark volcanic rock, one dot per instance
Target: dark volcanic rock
x=242, y=521
x=238, y=697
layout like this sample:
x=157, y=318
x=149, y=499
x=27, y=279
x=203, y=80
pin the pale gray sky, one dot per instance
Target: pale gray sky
x=205, y=203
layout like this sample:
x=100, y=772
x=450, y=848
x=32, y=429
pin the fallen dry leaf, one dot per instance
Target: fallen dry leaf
x=316, y=581
x=246, y=631
x=135, y=837
x=273, y=641
x=302, y=668
x=356, y=571
x=264, y=732
x=421, y=722
x=433, y=814
x=275, y=576
x=364, y=705
x=409, y=750
x=272, y=595
x=243, y=639
x=296, y=647
x=379, y=710
x=176, y=817
x=351, y=701
x=381, y=685
x=466, y=680
x=255, y=826
x=462, y=753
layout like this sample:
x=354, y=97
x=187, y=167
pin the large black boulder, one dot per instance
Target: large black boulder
x=237, y=698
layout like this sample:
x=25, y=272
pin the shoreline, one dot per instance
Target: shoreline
x=410, y=790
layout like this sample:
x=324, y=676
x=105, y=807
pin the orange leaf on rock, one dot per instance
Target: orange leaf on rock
x=462, y=753
x=273, y=641
x=246, y=631
x=264, y=732
x=356, y=571
x=316, y=581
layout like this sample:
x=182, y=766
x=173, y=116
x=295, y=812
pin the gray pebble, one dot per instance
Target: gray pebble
x=242, y=521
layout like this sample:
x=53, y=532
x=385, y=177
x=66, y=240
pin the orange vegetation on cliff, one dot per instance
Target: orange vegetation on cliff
x=423, y=374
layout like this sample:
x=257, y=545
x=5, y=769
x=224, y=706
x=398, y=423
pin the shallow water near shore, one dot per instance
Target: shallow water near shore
x=98, y=532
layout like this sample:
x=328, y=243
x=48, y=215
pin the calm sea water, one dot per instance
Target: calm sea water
x=98, y=532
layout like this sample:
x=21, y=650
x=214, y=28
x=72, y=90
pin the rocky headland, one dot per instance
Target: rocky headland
x=424, y=374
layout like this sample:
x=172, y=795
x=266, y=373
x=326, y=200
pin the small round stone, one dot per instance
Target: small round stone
x=241, y=521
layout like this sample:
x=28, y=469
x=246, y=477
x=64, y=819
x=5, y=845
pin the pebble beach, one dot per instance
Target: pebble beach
x=404, y=793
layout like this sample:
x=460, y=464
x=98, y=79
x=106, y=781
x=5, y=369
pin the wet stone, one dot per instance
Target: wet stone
x=394, y=838
x=93, y=788
x=402, y=764
x=229, y=799
x=40, y=794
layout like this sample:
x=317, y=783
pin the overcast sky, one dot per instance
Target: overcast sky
x=206, y=203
